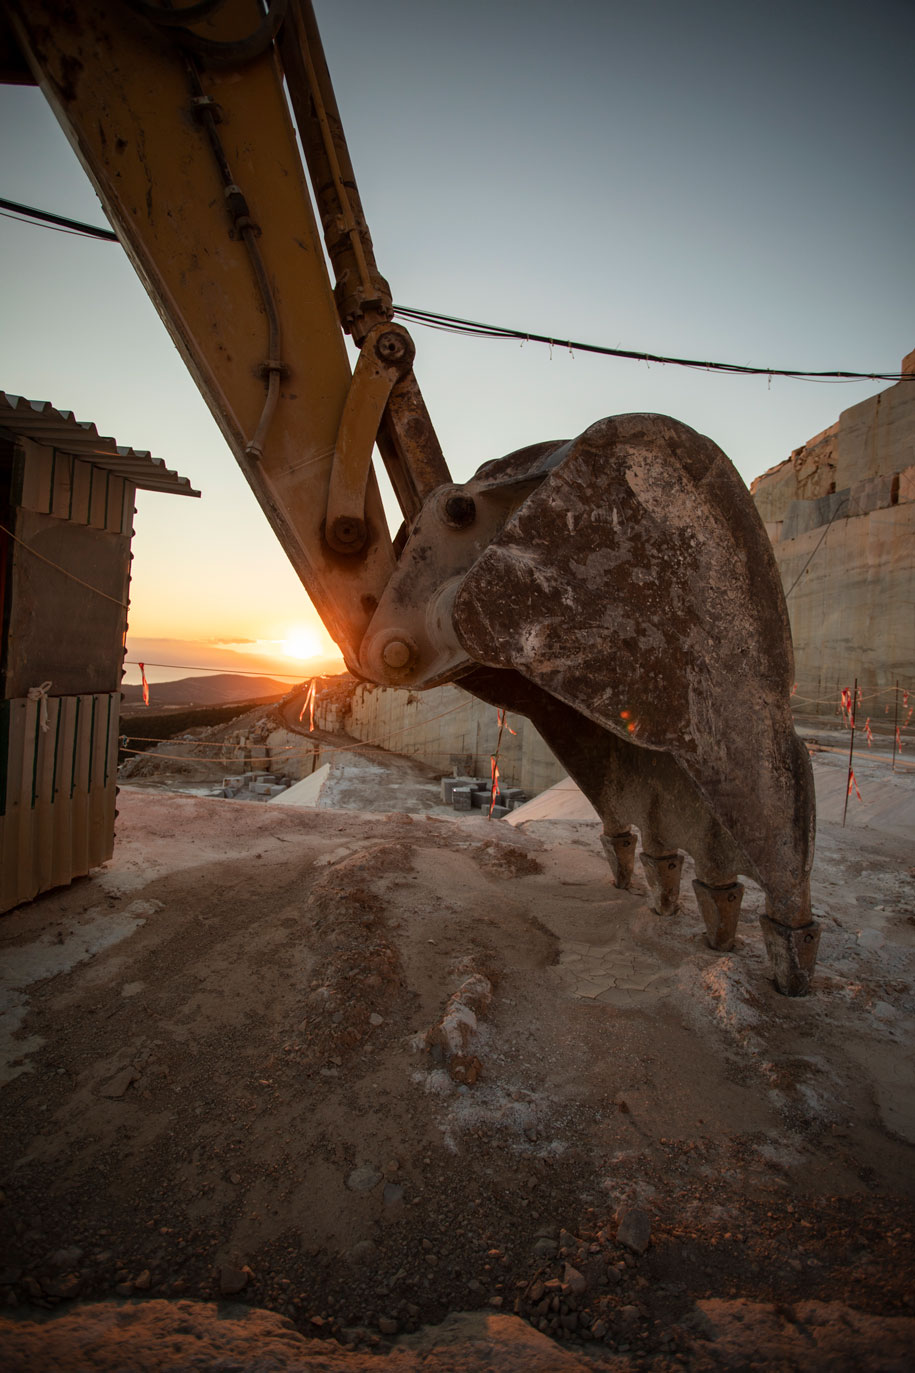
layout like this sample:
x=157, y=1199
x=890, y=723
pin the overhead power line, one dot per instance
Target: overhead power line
x=455, y=325
x=59, y=221
x=227, y=670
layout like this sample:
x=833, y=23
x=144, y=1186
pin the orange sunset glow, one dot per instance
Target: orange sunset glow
x=301, y=644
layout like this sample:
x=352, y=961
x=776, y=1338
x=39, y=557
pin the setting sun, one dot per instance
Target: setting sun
x=301, y=643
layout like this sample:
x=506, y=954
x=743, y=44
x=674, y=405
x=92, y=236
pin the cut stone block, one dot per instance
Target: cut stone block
x=449, y=784
x=906, y=485
x=805, y=515
x=874, y=493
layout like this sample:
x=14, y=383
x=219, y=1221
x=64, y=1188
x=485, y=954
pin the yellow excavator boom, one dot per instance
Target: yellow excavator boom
x=188, y=139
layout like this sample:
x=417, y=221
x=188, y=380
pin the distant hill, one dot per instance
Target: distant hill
x=220, y=688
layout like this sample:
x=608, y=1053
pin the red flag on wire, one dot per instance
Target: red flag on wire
x=846, y=706
x=309, y=705
x=853, y=783
x=145, y=685
x=495, y=783
x=503, y=723
x=867, y=731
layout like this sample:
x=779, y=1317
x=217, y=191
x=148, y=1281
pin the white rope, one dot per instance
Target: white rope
x=40, y=693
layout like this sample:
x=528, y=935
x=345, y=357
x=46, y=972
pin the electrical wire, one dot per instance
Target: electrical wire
x=475, y=329
x=320, y=747
x=454, y=324
x=59, y=221
x=54, y=228
x=862, y=696
x=322, y=750
x=240, y=672
x=201, y=743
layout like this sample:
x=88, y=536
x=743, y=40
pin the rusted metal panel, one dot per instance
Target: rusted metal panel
x=12, y=744
x=58, y=630
x=36, y=479
x=128, y=496
x=42, y=809
x=82, y=483
x=80, y=783
x=63, y=773
x=57, y=791
x=98, y=498
x=115, y=510
x=61, y=485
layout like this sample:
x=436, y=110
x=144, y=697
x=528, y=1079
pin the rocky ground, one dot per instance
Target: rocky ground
x=307, y=1084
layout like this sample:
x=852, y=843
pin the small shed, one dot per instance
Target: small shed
x=66, y=520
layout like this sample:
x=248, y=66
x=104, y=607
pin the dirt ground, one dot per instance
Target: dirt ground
x=224, y=1130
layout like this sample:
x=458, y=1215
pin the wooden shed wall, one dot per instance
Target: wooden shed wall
x=54, y=483
x=57, y=629
x=57, y=791
x=72, y=523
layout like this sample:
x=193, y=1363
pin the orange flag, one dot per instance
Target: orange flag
x=495, y=784
x=309, y=705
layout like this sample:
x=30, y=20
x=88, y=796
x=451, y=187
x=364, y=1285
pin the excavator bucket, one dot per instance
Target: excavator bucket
x=620, y=591
x=635, y=602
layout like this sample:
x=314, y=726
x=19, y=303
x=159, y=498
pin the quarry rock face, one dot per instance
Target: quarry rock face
x=840, y=512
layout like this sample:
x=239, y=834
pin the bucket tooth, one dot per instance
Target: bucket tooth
x=662, y=872
x=620, y=851
x=720, y=911
x=792, y=951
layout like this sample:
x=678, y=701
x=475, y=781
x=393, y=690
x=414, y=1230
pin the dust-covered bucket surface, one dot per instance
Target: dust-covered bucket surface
x=369, y=1072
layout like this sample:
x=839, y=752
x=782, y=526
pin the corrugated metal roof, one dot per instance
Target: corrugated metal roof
x=39, y=421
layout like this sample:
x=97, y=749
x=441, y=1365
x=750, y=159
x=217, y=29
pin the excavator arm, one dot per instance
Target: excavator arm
x=617, y=588
x=187, y=136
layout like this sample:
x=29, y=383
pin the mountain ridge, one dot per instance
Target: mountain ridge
x=220, y=688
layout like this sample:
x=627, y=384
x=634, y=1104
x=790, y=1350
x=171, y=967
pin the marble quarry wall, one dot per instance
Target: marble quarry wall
x=840, y=512
x=444, y=727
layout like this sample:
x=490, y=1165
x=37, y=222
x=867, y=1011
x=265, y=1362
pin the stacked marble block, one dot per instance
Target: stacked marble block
x=475, y=793
x=253, y=786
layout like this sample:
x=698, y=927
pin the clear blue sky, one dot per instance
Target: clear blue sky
x=723, y=180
